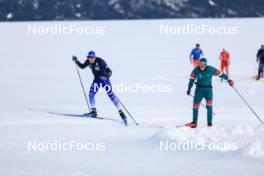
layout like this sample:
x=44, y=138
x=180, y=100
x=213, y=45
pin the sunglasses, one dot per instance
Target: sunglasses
x=202, y=64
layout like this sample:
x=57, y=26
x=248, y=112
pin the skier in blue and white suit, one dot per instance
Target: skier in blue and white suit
x=101, y=73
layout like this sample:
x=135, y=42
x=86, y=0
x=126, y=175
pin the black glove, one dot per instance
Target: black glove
x=188, y=92
x=74, y=58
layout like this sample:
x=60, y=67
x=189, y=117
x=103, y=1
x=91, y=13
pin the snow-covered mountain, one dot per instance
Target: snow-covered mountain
x=127, y=9
x=41, y=101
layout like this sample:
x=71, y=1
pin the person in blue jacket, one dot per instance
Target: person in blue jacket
x=102, y=74
x=196, y=55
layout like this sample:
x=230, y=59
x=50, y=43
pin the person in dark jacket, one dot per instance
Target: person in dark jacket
x=260, y=60
x=102, y=74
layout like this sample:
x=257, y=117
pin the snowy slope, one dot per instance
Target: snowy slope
x=41, y=97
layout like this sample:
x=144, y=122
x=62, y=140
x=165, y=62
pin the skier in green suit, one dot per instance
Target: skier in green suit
x=204, y=74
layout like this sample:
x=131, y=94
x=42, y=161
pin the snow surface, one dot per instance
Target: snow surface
x=41, y=99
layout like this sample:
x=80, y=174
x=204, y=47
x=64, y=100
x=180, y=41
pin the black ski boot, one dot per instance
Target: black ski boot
x=123, y=117
x=93, y=113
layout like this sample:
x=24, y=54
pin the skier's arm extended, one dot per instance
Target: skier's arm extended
x=191, y=81
x=84, y=65
x=221, y=74
x=191, y=56
x=224, y=76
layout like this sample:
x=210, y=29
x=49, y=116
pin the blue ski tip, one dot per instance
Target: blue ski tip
x=87, y=115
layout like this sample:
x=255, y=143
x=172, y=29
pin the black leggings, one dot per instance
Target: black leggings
x=260, y=71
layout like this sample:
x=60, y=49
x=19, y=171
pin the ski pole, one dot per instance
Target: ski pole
x=126, y=110
x=235, y=89
x=86, y=99
x=201, y=104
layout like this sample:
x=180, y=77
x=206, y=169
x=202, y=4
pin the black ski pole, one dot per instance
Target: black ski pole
x=126, y=110
x=86, y=99
x=235, y=89
x=201, y=104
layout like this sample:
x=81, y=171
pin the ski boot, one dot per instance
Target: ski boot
x=209, y=125
x=191, y=125
x=123, y=117
x=92, y=114
x=258, y=77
